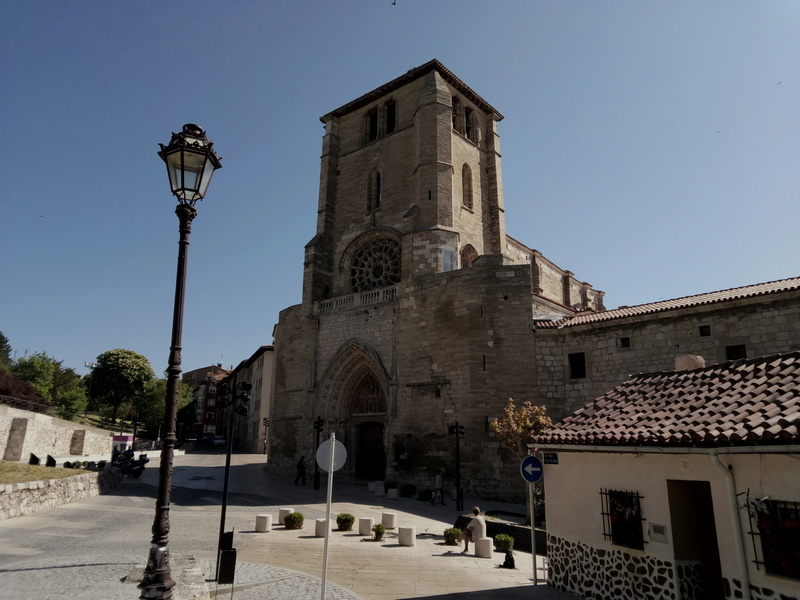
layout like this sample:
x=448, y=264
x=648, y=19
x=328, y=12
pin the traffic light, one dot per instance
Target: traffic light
x=455, y=429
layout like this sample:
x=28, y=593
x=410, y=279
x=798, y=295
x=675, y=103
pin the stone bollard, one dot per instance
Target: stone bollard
x=319, y=527
x=389, y=520
x=365, y=525
x=282, y=512
x=371, y=487
x=392, y=493
x=380, y=489
x=408, y=536
x=263, y=523
x=483, y=547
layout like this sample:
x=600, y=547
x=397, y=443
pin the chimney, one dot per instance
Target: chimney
x=685, y=362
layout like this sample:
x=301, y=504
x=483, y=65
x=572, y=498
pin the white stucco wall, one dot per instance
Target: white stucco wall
x=574, y=504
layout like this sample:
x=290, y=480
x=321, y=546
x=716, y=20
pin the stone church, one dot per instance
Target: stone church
x=419, y=311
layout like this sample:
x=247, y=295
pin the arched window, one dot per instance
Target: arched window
x=376, y=265
x=468, y=256
x=371, y=125
x=374, y=191
x=469, y=124
x=380, y=121
x=466, y=186
x=369, y=398
x=457, y=115
x=391, y=116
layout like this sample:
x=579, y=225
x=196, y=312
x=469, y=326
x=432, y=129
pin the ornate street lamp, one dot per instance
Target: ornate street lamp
x=191, y=162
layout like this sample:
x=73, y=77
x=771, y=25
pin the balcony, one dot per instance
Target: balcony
x=370, y=298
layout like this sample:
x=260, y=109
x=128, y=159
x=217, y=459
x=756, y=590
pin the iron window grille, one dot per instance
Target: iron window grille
x=622, y=518
x=776, y=524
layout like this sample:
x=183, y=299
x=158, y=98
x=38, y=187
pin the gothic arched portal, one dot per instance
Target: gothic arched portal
x=354, y=396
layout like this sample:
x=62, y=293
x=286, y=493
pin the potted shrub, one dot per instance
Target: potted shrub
x=503, y=542
x=407, y=490
x=378, y=529
x=344, y=521
x=293, y=520
x=452, y=536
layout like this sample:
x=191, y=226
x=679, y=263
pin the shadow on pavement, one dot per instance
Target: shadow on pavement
x=540, y=592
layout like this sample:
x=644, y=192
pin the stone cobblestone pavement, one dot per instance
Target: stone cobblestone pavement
x=95, y=549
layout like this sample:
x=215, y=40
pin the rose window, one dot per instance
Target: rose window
x=376, y=266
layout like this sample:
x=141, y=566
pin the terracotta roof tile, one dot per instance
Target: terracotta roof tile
x=744, y=402
x=759, y=289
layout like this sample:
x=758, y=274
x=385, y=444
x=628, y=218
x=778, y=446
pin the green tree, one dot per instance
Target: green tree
x=150, y=408
x=68, y=392
x=58, y=386
x=517, y=427
x=16, y=388
x=5, y=354
x=37, y=369
x=120, y=376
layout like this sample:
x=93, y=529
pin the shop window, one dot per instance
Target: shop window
x=622, y=518
x=577, y=365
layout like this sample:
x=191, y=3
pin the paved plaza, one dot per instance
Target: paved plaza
x=96, y=548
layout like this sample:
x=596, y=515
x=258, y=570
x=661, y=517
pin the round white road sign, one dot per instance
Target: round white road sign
x=324, y=455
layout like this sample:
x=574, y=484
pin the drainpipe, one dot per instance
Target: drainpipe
x=737, y=525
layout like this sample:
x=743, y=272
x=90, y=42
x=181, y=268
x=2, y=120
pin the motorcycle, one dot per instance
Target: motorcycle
x=129, y=466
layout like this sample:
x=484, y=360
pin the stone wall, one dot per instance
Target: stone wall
x=17, y=499
x=23, y=433
x=608, y=574
x=616, y=349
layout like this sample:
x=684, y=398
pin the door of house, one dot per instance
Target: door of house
x=694, y=539
x=370, y=453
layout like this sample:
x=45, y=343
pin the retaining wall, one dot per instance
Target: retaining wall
x=17, y=499
x=23, y=433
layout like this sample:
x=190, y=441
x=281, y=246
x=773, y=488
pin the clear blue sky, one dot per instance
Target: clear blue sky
x=650, y=147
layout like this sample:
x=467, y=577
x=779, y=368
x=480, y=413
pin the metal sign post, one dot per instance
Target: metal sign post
x=532, y=471
x=330, y=456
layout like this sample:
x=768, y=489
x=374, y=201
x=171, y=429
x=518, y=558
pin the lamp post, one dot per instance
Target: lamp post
x=191, y=162
x=229, y=398
x=458, y=430
x=318, y=425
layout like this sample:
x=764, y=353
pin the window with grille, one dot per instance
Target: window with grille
x=622, y=518
x=776, y=524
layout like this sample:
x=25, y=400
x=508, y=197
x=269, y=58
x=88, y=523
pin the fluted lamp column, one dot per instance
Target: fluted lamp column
x=191, y=162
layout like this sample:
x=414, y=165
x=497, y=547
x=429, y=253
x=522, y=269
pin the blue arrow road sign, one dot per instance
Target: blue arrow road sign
x=531, y=469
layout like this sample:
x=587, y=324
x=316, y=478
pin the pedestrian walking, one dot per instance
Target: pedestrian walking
x=301, y=471
x=438, y=489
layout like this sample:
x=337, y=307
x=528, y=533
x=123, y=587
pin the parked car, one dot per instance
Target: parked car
x=207, y=438
x=219, y=440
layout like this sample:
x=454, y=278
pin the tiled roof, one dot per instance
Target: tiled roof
x=759, y=289
x=737, y=403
